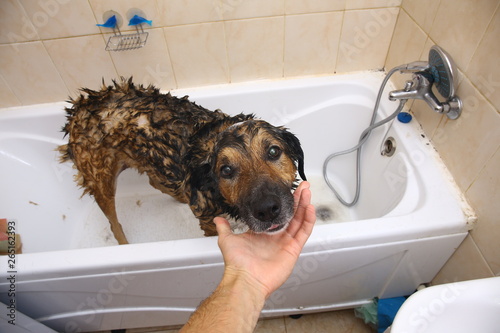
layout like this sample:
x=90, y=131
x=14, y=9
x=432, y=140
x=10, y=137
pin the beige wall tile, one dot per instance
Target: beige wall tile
x=484, y=196
x=15, y=25
x=82, y=61
x=403, y=49
x=31, y=74
x=365, y=39
x=311, y=43
x=426, y=117
x=198, y=54
x=465, y=144
x=484, y=69
x=460, y=26
x=126, y=9
x=7, y=97
x=466, y=263
x=363, y=4
x=56, y=19
x=242, y=9
x=313, y=6
x=176, y=12
x=422, y=11
x=255, y=48
x=149, y=64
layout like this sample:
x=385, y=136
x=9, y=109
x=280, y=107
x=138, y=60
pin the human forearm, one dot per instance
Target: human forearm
x=234, y=306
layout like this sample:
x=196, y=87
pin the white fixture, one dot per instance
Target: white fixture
x=460, y=307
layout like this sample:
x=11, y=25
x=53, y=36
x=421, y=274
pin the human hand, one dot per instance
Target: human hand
x=266, y=261
x=255, y=266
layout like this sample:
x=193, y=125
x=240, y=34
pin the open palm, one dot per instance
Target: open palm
x=268, y=259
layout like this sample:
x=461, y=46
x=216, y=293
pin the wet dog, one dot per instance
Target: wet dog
x=218, y=164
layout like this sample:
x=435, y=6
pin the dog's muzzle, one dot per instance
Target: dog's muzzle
x=268, y=209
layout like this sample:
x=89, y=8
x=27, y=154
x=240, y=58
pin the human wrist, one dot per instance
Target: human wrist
x=243, y=283
x=234, y=306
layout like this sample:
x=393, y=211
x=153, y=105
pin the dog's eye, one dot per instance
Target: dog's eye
x=274, y=152
x=226, y=171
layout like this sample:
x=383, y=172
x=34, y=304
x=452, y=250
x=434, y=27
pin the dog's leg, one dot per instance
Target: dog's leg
x=106, y=202
x=100, y=182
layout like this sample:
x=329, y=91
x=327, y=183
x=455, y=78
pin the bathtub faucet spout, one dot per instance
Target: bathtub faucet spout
x=409, y=92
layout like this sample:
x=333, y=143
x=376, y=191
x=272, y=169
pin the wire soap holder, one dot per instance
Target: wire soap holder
x=124, y=42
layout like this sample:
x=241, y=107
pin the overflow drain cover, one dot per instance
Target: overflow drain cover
x=389, y=147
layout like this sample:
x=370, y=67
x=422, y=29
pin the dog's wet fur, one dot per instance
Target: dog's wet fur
x=219, y=164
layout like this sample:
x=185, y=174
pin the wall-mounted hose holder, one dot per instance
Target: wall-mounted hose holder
x=130, y=41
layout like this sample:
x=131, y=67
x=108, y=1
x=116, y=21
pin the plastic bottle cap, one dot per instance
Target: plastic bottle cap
x=404, y=117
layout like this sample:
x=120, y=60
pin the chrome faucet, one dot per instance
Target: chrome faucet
x=420, y=87
x=439, y=72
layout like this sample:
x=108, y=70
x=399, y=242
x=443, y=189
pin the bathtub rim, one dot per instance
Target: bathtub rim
x=202, y=251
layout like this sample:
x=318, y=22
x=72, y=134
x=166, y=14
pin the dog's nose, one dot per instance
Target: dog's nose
x=267, y=208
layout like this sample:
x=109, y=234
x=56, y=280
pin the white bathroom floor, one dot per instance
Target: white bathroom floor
x=342, y=321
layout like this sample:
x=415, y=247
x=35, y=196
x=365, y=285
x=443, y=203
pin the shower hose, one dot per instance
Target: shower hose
x=362, y=139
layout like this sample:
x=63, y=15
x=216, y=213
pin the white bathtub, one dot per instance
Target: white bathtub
x=72, y=277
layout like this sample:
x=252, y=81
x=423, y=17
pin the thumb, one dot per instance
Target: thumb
x=222, y=225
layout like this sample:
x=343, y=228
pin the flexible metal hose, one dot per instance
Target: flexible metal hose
x=362, y=139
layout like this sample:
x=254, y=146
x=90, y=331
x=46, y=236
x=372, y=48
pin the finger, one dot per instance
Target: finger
x=298, y=191
x=298, y=216
x=307, y=225
x=223, y=227
x=300, y=211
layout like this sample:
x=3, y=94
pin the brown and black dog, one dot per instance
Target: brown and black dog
x=216, y=163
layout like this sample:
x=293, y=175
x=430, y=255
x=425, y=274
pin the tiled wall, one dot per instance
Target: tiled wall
x=470, y=31
x=50, y=48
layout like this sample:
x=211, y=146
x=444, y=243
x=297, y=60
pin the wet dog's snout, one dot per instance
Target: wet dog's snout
x=267, y=208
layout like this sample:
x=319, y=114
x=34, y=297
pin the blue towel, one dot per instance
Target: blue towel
x=387, y=309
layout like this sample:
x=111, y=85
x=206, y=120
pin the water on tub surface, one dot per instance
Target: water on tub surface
x=148, y=215
x=145, y=218
x=328, y=207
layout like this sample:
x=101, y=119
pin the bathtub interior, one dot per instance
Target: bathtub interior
x=41, y=195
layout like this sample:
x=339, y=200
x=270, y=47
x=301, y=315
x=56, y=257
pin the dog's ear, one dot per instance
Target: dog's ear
x=202, y=178
x=294, y=150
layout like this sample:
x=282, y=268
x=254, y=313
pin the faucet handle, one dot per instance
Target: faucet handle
x=455, y=108
x=408, y=85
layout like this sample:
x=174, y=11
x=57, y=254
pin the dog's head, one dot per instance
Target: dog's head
x=254, y=166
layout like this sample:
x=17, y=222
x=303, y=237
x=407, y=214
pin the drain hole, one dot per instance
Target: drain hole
x=324, y=213
x=389, y=147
